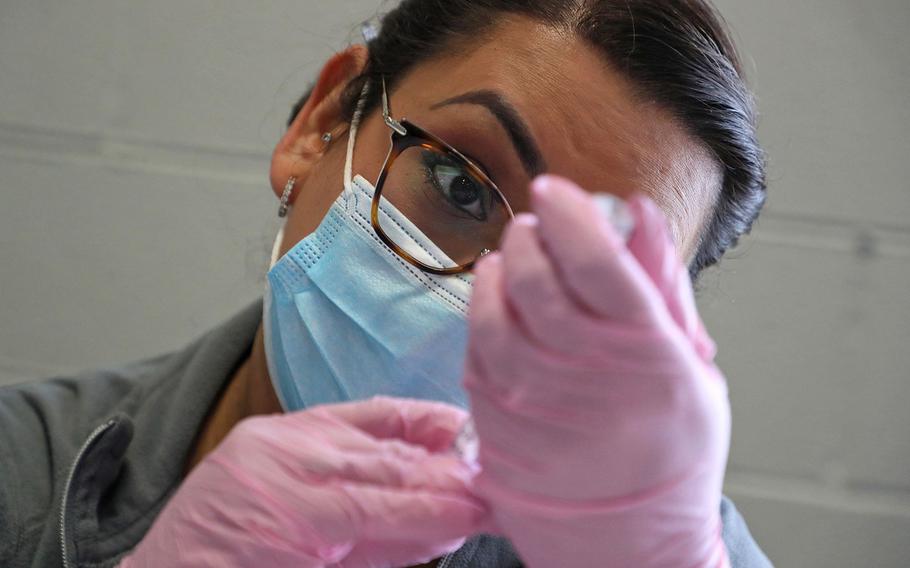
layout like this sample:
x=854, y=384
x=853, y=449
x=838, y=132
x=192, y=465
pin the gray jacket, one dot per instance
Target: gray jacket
x=87, y=462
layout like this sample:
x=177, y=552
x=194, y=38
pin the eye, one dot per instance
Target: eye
x=457, y=186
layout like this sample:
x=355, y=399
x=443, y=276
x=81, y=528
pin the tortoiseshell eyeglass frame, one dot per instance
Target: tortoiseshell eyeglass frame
x=406, y=135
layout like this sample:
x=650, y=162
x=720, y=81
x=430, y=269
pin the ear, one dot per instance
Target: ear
x=302, y=146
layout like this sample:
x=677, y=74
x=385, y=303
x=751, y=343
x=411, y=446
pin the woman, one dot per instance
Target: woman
x=602, y=420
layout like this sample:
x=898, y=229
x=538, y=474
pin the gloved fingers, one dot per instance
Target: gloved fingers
x=705, y=346
x=432, y=425
x=525, y=419
x=653, y=246
x=512, y=364
x=534, y=292
x=284, y=447
x=435, y=472
x=657, y=254
x=295, y=434
x=384, y=463
x=321, y=448
x=352, y=504
x=591, y=258
x=602, y=349
x=488, y=319
x=381, y=514
x=331, y=514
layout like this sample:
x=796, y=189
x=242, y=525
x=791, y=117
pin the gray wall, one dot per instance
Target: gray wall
x=135, y=214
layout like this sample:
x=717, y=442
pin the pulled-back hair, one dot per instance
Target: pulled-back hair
x=677, y=53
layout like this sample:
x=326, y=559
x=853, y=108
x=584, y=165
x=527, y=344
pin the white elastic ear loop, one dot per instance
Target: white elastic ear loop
x=276, y=248
x=348, y=167
x=352, y=137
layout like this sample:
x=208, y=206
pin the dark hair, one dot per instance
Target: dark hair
x=676, y=52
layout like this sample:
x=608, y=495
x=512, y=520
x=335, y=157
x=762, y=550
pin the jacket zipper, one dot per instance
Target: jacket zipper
x=69, y=482
x=445, y=560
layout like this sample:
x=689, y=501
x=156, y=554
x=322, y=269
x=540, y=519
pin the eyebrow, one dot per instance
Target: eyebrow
x=507, y=115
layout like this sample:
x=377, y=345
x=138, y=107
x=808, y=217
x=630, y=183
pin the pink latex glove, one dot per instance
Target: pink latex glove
x=603, y=422
x=366, y=484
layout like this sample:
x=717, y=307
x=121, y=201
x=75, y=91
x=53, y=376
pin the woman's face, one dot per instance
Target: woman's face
x=525, y=100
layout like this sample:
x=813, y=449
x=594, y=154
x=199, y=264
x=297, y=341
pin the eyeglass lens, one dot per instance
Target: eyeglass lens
x=447, y=202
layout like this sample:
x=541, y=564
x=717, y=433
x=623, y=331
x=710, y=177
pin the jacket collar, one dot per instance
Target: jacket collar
x=131, y=463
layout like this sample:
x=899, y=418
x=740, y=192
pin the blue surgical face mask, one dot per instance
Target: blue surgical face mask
x=345, y=318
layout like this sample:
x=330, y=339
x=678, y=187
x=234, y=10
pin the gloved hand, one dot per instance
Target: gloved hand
x=367, y=484
x=603, y=422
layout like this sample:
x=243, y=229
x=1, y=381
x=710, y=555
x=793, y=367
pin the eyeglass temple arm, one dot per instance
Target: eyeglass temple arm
x=386, y=113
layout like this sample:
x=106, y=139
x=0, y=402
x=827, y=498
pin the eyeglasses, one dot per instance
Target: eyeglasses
x=446, y=195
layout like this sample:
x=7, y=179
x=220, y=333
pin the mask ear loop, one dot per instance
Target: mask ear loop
x=352, y=136
x=276, y=247
x=348, y=168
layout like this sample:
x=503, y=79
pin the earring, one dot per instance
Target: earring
x=327, y=137
x=286, y=198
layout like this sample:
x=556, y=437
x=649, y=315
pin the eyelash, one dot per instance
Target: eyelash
x=479, y=164
x=461, y=140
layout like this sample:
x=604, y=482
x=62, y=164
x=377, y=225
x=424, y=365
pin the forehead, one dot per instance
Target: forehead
x=586, y=118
